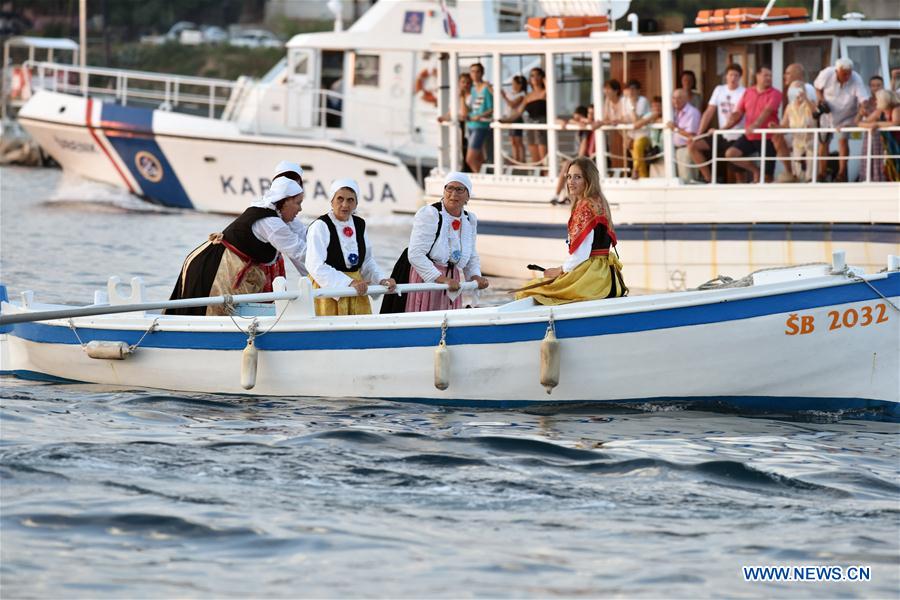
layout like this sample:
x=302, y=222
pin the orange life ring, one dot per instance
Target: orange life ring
x=422, y=90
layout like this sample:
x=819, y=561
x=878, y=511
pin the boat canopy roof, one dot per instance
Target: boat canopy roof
x=26, y=41
x=520, y=43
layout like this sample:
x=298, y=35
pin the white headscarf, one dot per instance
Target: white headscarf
x=281, y=188
x=459, y=178
x=287, y=166
x=344, y=183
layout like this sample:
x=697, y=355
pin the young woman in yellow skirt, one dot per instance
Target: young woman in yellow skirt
x=590, y=272
x=339, y=254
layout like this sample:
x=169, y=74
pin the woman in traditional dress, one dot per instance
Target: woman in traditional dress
x=240, y=259
x=590, y=272
x=294, y=172
x=442, y=247
x=339, y=254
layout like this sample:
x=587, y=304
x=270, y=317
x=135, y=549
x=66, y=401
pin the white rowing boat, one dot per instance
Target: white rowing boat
x=820, y=337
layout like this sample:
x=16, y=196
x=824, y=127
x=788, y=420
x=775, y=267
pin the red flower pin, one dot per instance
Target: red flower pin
x=455, y=224
x=348, y=231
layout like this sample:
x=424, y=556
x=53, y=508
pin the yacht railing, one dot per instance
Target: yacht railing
x=179, y=93
x=502, y=164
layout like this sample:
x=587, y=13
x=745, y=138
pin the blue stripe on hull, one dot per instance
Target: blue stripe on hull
x=142, y=155
x=762, y=232
x=481, y=334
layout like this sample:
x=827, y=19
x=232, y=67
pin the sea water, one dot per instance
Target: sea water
x=114, y=492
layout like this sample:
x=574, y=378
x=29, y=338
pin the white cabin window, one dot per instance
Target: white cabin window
x=365, y=70
x=894, y=58
x=866, y=60
x=301, y=67
x=814, y=55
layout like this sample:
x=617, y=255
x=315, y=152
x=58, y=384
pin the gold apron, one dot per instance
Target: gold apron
x=333, y=307
x=591, y=280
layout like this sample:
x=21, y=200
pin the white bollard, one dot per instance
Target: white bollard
x=838, y=261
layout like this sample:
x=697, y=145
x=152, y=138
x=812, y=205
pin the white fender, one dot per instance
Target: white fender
x=249, y=359
x=550, y=360
x=107, y=350
x=442, y=366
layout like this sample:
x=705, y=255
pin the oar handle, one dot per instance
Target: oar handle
x=534, y=267
x=402, y=288
x=107, y=309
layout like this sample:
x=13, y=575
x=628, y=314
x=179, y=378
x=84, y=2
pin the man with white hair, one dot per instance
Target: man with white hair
x=840, y=90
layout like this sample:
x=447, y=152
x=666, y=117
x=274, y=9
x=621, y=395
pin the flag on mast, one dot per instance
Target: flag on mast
x=449, y=23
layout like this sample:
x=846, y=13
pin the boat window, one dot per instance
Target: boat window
x=365, y=70
x=301, y=66
x=894, y=53
x=866, y=56
x=814, y=55
x=572, y=76
x=522, y=152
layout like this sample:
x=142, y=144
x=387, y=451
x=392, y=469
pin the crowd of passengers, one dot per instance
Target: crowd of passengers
x=336, y=252
x=838, y=98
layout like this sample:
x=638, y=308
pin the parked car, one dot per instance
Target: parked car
x=214, y=35
x=174, y=33
x=256, y=38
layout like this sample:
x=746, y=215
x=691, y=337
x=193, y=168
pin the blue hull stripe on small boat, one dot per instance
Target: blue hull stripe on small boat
x=757, y=232
x=482, y=334
x=130, y=131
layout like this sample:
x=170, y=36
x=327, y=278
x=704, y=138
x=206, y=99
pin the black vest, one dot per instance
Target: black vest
x=602, y=241
x=335, y=257
x=240, y=235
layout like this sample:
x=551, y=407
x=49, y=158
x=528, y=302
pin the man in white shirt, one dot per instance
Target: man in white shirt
x=840, y=90
x=635, y=107
x=723, y=101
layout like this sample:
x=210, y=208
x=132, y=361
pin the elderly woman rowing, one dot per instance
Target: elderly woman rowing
x=339, y=254
x=441, y=245
x=243, y=258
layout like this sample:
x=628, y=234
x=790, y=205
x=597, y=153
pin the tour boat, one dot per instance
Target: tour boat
x=822, y=337
x=673, y=234
x=358, y=103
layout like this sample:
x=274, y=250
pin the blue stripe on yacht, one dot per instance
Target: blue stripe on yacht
x=797, y=232
x=481, y=334
x=130, y=131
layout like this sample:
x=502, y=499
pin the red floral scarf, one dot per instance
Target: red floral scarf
x=587, y=214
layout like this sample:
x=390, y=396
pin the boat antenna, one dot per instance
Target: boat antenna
x=335, y=7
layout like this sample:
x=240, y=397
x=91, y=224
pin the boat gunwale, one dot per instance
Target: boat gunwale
x=477, y=317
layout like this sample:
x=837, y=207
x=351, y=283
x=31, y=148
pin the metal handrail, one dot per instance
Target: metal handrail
x=868, y=156
x=172, y=94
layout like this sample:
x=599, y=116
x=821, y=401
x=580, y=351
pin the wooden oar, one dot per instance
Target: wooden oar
x=107, y=309
x=534, y=285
